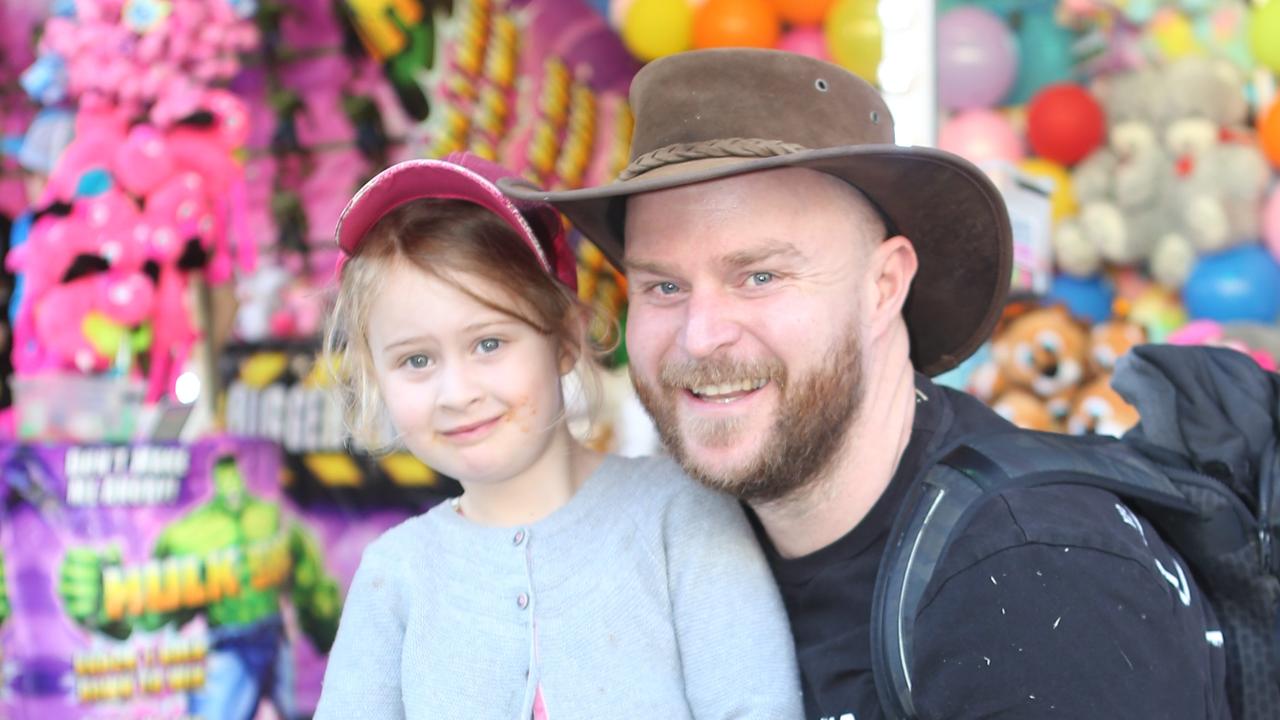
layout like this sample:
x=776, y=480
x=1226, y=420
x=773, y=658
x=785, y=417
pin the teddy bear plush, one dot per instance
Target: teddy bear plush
x=1177, y=178
x=1109, y=340
x=1219, y=177
x=1097, y=409
x=1123, y=187
x=1026, y=411
x=1045, y=352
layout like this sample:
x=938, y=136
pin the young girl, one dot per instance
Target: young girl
x=562, y=584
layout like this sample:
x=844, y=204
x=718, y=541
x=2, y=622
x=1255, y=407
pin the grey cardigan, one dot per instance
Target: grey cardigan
x=645, y=596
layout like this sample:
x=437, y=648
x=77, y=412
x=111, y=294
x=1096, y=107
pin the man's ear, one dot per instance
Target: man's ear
x=892, y=269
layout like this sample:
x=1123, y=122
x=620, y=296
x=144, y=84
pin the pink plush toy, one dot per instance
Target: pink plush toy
x=152, y=56
x=151, y=170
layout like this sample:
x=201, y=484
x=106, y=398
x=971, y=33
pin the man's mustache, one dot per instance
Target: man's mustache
x=686, y=374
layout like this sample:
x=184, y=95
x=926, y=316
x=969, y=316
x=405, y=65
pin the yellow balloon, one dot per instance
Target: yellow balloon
x=1063, y=200
x=853, y=35
x=655, y=28
x=1174, y=36
x=1264, y=29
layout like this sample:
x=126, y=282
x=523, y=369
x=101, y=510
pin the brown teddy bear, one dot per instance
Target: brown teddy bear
x=1109, y=340
x=1046, y=352
x=1026, y=411
x=1099, y=410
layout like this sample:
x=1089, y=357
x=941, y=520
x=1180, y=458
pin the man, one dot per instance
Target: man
x=246, y=556
x=794, y=279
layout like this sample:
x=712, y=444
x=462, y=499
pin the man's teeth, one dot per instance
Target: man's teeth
x=727, y=388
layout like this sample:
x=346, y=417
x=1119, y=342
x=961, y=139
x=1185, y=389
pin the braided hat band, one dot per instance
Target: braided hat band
x=718, y=148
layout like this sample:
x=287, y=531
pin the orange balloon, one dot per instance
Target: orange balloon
x=1269, y=133
x=802, y=12
x=736, y=23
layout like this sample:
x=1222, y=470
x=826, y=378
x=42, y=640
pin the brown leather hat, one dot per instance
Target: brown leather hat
x=712, y=114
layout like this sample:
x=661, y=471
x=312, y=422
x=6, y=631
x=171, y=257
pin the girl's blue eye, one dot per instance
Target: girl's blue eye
x=489, y=345
x=417, y=362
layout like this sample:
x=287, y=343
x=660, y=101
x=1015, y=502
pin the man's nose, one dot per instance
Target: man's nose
x=710, y=324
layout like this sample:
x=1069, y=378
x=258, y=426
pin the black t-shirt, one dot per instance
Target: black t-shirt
x=1054, y=602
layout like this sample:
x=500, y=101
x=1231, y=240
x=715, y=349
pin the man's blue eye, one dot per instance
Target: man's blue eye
x=761, y=278
x=667, y=288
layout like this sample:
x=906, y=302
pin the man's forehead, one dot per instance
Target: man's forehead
x=742, y=218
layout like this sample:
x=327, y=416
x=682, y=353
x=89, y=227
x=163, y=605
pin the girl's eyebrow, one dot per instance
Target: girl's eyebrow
x=494, y=322
x=411, y=340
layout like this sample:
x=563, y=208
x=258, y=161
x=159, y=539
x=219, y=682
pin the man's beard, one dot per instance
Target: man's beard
x=814, y=413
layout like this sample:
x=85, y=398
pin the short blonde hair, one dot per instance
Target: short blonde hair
x=446, y=239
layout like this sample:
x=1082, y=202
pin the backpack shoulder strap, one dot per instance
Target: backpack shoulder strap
x=942, y=503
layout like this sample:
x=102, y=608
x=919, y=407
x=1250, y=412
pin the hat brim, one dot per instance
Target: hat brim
x=948, y=208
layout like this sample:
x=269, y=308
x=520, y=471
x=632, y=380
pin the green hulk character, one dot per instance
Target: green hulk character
x=229, y=560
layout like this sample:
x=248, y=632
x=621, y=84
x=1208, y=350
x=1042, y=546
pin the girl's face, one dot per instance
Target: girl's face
x=474, y=393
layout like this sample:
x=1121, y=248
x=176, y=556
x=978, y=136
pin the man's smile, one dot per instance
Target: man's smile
x=727, y=392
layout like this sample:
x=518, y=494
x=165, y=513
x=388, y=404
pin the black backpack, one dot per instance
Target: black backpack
x=1202, y=466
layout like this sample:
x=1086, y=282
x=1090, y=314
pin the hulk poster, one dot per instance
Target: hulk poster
x=167, y=581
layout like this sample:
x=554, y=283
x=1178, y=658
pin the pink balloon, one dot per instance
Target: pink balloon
x=1271, y=223
x=805, y=41
x=981, y=136
x=977, y=58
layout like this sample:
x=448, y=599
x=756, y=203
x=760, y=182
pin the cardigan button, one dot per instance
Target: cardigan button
x=522, y=600
x=518, y=538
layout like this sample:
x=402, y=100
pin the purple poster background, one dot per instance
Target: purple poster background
x=49, y=507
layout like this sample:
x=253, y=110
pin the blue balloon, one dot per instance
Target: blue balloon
x=1088, y=299
x=1234, y=285
x=1045, y=55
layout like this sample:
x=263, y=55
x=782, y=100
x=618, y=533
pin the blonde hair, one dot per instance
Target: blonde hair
x=446, y=239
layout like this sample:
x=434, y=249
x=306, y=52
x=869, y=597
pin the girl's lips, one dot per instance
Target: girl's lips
x=472, y=431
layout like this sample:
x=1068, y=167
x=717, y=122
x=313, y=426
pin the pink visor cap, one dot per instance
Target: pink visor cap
x=460, y=176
